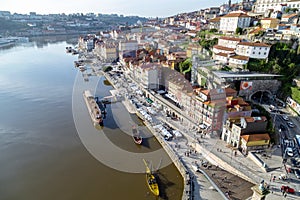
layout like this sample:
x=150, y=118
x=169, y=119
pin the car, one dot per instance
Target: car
x=285, y=117
x=297, y=173
x=282, y=127
x=289, y=151
x=291, y=124
x=287, y=189
x=202, y=126
x=294, y=162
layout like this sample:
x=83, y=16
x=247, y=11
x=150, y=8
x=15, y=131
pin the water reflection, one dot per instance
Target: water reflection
x=41, y=154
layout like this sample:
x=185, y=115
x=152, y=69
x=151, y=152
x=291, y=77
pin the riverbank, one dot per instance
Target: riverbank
x=191, y=180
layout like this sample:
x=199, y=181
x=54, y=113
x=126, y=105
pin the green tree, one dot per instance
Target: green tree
x=185, y=66
x=238, y=31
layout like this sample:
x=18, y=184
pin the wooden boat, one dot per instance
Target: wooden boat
x=136, y=136
x=93, y=108
x=151, y=181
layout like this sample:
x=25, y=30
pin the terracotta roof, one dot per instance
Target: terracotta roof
x=240, y=57
x=269, y=19
x=149, y=66
x=256, y=30
x=216, y=19
x=255, y=119
x=256, y=137
x=236, y=15
x=206, y=92
x=223, y=48
x=229, y=90
x=222, y=54
x=230, y=38
x=289, y=16
x=254, y=44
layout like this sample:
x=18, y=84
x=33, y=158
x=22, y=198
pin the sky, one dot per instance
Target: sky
x=143, y=8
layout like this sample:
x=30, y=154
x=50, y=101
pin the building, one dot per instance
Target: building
x=106, y=51
x=267, y=23
x=229, y=42
x=233, y=20
x=254, y=142
x=148, y=75
x=236, y=127
x=262, y=6
x=253, y=50
x=238, y=80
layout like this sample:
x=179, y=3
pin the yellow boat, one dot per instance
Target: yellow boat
x=151, y=181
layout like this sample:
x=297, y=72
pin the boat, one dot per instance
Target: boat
x=93, y=108
x=101, y=105
x=151, y=181
x=136, y=136
x=82, y=68
x=68, y=49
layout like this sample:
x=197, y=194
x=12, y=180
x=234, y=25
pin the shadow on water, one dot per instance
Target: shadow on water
x=163, y=184
x=145, y=140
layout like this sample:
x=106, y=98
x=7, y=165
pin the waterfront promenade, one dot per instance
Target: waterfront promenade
x=206, y=147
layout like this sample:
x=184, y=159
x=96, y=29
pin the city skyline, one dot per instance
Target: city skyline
x=152, y=8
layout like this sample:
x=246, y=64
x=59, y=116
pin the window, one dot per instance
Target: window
x=258, y=53
x=265, y=53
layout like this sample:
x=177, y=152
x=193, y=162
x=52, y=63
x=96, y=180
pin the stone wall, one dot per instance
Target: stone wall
x=261, y=85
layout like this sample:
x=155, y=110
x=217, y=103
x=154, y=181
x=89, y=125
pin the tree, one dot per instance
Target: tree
x=185, y=66
x=238, y=31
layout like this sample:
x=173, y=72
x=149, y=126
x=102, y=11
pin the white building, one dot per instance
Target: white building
x=253, y=50
x=231, y=21
x=261, y=6
x=229, y=42
x=128, y=45
x=238, y=60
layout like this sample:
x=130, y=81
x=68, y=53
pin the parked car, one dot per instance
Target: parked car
x=285, y=117
x=297, y=173
x=202, y=126
x=282, y=127
x=289, y=151
x=291, y=124
x=294, y=162
x=287, y=189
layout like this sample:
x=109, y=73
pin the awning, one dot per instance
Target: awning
x=149, y=100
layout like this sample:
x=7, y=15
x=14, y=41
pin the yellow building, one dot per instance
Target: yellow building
x=254, y=141
x=269, y=23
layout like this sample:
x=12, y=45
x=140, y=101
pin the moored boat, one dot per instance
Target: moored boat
x=151, y=181
x=136, y=136
x=93, y=108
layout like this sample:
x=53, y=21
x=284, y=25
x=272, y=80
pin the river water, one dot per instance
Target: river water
x=43, y=150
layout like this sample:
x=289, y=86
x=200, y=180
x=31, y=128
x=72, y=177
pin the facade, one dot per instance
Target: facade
x=229, y=42
x=290, y=18
x=236, y=127
x=106, y=51
x=233, y=20
x=262, y=6
x=267, y=23
x=253, y=50
x=128, y=45
x=148, y=75
x=294, y=4
x=222, y=49
x=254, y=142
x=237, y=60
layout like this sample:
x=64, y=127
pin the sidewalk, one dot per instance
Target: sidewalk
x=207, y=148
x=239, y=164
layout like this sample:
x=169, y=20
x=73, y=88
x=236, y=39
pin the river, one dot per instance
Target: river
x=42, y=153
